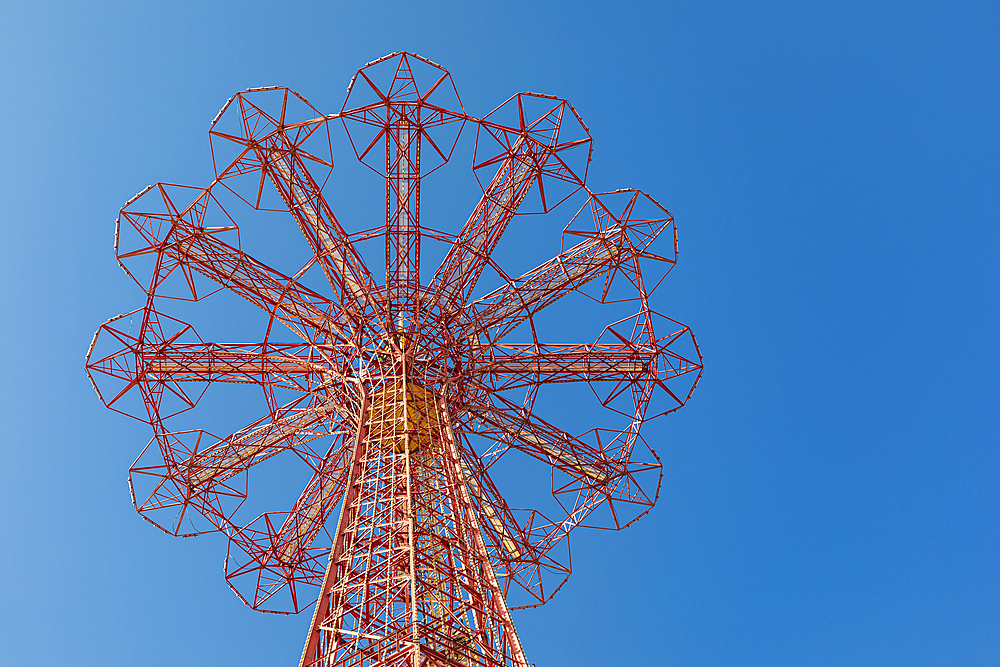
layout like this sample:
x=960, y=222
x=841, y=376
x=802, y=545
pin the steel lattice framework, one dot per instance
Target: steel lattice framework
x=398, y=397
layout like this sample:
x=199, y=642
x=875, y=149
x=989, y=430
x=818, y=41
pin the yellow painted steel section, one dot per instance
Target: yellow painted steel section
x=411, y=418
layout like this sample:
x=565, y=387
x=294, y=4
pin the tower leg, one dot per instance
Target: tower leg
x=409, y=581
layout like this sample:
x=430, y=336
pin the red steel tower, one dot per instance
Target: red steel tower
x=399, y=397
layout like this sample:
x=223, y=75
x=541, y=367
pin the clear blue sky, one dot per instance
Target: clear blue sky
x=831, y=491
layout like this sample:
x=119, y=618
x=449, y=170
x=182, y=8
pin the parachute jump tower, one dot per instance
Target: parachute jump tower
x=396, y=398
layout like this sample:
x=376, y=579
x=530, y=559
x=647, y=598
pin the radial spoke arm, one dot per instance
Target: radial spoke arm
x=344, y=268
x=402, y=231
x=498, y=523
x=501, y=311
x=288, y=365
x=518, y=365
x=527, y=549
x=280, y=366
x=287, y=427
x=506, y=422
x=272, y=557
x=264, y=287
x=277, y=148
x=459, y=272
x=596, y=478
x=313, y=507
x=521, y=552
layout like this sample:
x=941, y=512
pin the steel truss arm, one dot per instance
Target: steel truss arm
x=285, y=428
x=314, y=505
x=277, y=147
x=171, y=363
x=190, y=244
x=519, y=552
x=501, y=420
x=459, y=272
x=597, y=476
x=616, y=244
x=197, y=477
x=344, y=268
x=501, y=311
x=285, y=365
x=283, y=555
x=530, y=153
x=407, y=112
x=511, y=366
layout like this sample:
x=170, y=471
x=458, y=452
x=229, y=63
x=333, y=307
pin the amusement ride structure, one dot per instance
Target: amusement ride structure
x=397, y=399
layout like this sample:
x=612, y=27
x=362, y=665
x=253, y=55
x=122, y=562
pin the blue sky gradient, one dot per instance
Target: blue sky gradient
x=830, y=493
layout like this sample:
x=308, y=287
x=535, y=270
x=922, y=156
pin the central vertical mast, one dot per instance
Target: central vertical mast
x=409, y=581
